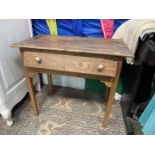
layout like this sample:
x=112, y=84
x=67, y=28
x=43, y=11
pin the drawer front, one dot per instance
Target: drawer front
x=70, y=63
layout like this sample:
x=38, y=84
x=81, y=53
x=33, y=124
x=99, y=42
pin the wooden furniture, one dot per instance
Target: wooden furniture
x=83, y=57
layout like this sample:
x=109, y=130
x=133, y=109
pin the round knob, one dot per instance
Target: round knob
x=38, y=60
x=100, y=67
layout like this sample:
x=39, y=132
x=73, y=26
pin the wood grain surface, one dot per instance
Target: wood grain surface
x=69, y=63
x=100, y=46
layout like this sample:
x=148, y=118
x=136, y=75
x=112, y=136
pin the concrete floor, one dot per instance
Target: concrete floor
x=66, y=112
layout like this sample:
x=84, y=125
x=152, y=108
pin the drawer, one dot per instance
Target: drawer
x=70, y=63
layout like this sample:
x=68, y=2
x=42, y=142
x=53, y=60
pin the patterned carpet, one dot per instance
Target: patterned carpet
x=66, y=112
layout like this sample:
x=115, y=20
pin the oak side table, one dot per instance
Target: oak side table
x=83, y=57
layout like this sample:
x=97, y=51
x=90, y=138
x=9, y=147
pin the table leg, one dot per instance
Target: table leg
x=112, y=90
x=107, y=94
x=32, y=95
x=49, y=76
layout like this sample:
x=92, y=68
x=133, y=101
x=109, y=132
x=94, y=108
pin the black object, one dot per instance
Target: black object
x=134, y=103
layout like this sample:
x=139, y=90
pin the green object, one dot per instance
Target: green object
x=96, y=86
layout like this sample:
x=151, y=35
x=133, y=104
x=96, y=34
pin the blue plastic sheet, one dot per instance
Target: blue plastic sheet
x=92, y=28
x=74, y=27
x=80, y=27
x=65, y=27
x=40, y=27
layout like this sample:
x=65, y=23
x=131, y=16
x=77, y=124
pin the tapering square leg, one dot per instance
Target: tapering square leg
x=50, y=88
x=32, y=94
x=108, y=108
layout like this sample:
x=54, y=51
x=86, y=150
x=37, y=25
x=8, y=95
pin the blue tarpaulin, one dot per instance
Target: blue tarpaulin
x=74, y=27
x=40, y=27
x=80, y=27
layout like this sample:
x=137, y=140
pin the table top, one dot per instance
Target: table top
x=85, y=45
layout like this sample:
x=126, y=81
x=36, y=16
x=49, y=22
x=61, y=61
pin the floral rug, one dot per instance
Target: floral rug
x=66, y=112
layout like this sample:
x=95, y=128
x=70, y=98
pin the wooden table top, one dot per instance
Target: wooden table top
x=85, y=45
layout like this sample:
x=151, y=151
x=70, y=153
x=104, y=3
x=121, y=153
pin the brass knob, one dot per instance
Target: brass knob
x=100, y=67
x=38, y=60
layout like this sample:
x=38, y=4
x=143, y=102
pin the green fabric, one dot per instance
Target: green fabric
x=96, y=86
